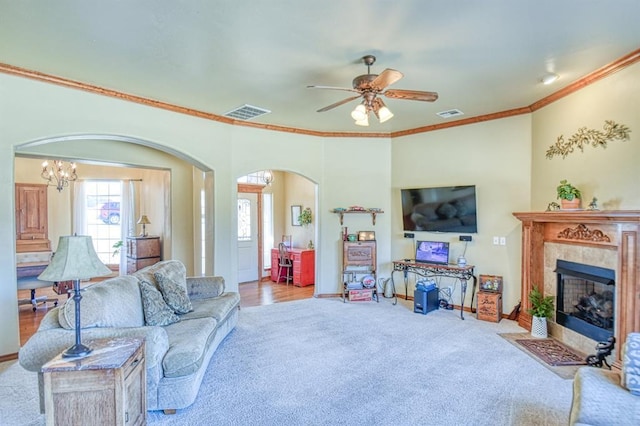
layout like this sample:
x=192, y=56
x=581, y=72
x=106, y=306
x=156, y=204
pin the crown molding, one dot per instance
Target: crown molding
x=599, y=74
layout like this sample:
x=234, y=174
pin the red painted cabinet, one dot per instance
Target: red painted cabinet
x=304, y=266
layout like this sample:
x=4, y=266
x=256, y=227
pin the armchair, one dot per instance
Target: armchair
x=603, y=397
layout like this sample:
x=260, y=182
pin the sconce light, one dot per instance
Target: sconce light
x=144, y=221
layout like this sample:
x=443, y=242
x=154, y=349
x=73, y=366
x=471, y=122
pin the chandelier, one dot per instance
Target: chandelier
x=58, y=174
x=267, y=177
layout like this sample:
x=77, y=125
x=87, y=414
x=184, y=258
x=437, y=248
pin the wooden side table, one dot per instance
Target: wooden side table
x=106, y=387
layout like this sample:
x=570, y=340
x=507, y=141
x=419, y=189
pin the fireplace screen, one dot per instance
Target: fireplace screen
x=586, y=299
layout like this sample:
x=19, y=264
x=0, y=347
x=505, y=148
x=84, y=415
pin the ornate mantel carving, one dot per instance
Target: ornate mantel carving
x=582, y=232
x=617, y=230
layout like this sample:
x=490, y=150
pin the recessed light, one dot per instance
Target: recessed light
x=549, y=78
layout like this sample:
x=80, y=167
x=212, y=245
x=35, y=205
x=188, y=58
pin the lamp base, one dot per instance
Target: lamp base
x=76, y=350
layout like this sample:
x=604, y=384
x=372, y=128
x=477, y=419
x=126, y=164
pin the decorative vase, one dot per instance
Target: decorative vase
x=570, y=205
x=539, y=327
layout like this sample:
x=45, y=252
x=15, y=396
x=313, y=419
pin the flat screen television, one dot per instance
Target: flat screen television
x=432, y=252
x=440, y=209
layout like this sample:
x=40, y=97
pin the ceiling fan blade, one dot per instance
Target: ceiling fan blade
x=411, y=95
x=337, y=104
x=333, y=88
x=386, y=78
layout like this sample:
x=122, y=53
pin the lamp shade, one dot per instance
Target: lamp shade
x=74, y=259
x=144, y=220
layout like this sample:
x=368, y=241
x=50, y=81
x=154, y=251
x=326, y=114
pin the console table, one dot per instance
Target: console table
x=463, y=273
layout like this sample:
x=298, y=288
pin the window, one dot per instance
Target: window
x=102, y=209
x=255, y=178
x=244, y=219
x=267, y=228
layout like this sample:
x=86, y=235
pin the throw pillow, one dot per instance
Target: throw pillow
x=156, y=311
x=631, y=363
x=174, y=294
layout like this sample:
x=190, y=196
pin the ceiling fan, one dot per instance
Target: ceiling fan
x=369, y=86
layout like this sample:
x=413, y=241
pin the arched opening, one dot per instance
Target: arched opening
x=277, y=205
x=176, y=191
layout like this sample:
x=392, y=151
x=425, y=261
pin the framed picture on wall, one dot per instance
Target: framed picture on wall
x=295, y=215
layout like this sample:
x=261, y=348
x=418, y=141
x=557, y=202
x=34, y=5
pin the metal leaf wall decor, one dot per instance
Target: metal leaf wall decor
x=584, y=137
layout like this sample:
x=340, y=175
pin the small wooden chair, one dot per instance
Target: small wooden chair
x=284, y=262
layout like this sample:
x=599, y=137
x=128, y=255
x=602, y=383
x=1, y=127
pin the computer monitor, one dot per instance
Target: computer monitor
x=432, y=252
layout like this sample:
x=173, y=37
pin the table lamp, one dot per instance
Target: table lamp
x=144, y=220
x=75, y=260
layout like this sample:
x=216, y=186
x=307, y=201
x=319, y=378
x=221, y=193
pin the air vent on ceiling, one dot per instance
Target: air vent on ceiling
x=246, y=112
x=450, y=113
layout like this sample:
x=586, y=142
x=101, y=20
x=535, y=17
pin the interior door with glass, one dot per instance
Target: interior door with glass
x=247, y=237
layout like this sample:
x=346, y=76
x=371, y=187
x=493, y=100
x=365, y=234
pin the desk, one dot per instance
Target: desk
x=304, y=269
x=463, y=273
x=27, y=275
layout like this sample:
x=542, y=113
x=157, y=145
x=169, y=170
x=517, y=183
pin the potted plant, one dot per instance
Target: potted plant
x=541, y=309
x=305, y=217
x=568, y=195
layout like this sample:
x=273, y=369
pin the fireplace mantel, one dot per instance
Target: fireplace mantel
x=617, y=230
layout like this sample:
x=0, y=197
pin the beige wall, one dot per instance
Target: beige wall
x=301, y=192
x=493, y=156
x=503, y=158
x=610, y=174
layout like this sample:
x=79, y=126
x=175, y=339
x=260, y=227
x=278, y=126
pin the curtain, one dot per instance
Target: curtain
x=127, y=220
x=79, y=209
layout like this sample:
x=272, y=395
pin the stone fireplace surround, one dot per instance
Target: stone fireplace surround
x=609, y=239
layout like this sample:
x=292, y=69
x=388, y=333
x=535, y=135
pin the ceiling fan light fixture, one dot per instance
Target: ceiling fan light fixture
x=549, y=78
x=363, y=122
x=384, y=114
x=360, y=113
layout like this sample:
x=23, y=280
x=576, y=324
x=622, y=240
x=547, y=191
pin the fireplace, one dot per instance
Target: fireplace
x=605, y=238
x=586, y=299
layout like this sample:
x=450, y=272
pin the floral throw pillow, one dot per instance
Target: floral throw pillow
x=156, y=311
x=174, y=294
x=631, y=363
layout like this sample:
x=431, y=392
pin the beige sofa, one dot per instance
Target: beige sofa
x=178, y=347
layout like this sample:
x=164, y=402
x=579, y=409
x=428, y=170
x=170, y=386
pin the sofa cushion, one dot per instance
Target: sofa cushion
x=114, y=302
x=173, y=293
x=173, y=269
x=631, y=364
x=156, y=311
x=188, y=342
x=216, y=307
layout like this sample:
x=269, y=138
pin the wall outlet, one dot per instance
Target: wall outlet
x=409, y=235
x=496, y=241
x=465, y=237
x=503, y=241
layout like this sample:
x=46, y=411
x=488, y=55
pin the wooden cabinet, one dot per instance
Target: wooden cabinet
x=32, y=229
x=106, y=387
x=304, y=270
x=489, y=306
x=142, y=252
x=359, y=269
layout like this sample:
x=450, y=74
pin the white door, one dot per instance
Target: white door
x=247, y=237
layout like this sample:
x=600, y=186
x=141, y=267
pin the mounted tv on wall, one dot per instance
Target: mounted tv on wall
x=440, y=209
